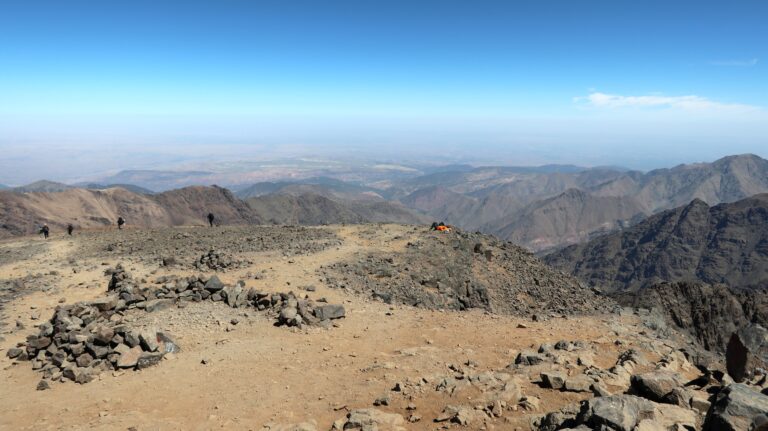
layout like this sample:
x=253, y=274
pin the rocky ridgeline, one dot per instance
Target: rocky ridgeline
x=220, y=262
x=153, y=245
x=462, y=270
x=82, y=340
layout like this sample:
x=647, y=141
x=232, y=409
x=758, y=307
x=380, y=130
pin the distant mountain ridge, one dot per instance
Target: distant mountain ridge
x=536, y=207
x=129, y=187
x=725, y=180
x=515, y=203
x=42, y=186
x=726, y=243
x=329, y=187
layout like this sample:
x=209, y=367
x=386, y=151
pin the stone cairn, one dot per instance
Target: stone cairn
x=84, y=339
x=216, y=261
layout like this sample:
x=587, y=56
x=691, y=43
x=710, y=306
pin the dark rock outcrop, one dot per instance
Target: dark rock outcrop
x=708, y=313
x=747, y=352
x=736, y=408
x=443, y=270
x=727, y=244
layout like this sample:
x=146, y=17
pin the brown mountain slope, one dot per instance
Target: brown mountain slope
x=23, y=213
x=727, y=243
x=568, y=218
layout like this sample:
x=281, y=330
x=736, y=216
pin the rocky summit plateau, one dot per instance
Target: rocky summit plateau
x=355, y=327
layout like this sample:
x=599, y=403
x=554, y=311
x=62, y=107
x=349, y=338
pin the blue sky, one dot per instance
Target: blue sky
x=585, y=82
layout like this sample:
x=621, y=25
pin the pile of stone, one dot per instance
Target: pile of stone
x=216, y=261
x=288, y=308
x=87, y=338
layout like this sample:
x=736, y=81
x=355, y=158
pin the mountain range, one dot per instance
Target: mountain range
x=548, y=210
x=541, y=208
x=23, y=213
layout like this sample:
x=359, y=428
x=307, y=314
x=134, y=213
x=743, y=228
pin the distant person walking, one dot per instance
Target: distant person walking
x=120, y=223
x=210, y=219
x=70, y=228
x=45, y=231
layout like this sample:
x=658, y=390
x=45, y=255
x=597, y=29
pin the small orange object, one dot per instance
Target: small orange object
x=443, y=228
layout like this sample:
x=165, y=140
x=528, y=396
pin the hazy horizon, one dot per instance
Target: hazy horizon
x=92, y=88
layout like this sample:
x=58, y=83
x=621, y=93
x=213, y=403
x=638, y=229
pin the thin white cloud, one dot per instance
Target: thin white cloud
x=687, y=103
x=736, y=63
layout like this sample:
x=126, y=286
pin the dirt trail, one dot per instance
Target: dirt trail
x=257, y=373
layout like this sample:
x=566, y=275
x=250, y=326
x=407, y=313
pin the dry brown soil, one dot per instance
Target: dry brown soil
x=258, y=374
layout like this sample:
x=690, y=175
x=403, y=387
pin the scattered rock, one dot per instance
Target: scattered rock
x=655, y=385
x=370, y=419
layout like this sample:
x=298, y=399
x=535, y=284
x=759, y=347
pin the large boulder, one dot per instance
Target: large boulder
x=655, y=385
x=618, y=412
x=105, y=303
x=234, y=295
x=157, y=305
x=747, y=350
x=214, y=284
x=330, y=311
x=736, y=408
x=553, y=379
x=129, y=356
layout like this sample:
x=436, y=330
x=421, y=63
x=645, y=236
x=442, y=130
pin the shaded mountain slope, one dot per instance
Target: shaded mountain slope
x=324, y=186
x=727, y=243
x=443, y=204
x=310, y=208
x=303, y=209
x=390, y=212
